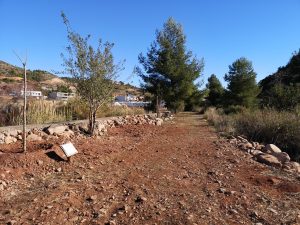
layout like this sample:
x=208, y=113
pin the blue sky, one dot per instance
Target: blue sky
x=265, y=31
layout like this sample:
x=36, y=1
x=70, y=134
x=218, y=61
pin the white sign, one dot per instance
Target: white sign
x=69, y=149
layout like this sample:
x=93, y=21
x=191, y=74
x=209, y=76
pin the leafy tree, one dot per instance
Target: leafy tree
x=63, y=88
x=169, y=70
x=215, y=91
x=242, y=89
x=93, y=70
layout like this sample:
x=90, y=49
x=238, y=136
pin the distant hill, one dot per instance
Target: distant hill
x=286, y=75
x=8, y=71
x=11, y=78
x=121, y=87
x=281, y=90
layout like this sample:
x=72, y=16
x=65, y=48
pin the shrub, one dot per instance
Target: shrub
x=234, y=109
x=265, y=126
x=271, y=126
x=8, y=80
x=221, y=121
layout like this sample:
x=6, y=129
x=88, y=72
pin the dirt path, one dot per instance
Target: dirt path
x=180, y=173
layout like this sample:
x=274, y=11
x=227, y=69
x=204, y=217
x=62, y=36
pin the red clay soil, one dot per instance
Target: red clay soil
x=179, y=173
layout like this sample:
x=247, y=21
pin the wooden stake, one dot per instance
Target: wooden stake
x=24, y=109
x=24, y=62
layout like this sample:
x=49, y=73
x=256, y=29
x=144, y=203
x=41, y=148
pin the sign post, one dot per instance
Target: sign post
x=69, y=150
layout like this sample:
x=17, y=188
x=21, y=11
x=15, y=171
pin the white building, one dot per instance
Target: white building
x=125, y=98
x=130, y=101
x=35, y=94
x=61, y=95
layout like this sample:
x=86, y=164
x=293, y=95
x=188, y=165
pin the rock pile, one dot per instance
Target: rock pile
x=70, y=130
x=268, y=154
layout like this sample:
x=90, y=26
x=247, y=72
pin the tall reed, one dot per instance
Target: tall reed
x=38, y=111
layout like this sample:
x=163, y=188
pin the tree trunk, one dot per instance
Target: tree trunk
x=91, y=122
x=157, y=106
x=94, y=122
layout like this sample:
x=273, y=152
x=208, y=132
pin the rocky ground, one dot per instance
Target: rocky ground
x=177, y=173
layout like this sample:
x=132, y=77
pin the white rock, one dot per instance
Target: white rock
x=67, y=134
x=13, y=133
x=158, y=121
x=58, y=129
x=9, y=139
x=256, y=152
x=270, y=148
x=34, y=137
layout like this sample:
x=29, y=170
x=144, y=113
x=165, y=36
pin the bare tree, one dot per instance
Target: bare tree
x=93, y=69
x=24, y=63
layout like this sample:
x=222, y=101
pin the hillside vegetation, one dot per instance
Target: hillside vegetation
x=8, y=70
x=11, y=78
x=281, y=90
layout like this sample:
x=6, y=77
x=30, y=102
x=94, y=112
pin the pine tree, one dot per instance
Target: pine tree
x=215, y=91
x=242, y=89
x=169, y=70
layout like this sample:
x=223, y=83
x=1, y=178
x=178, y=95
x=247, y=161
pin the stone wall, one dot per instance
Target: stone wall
x=268, y=154
x=10, y=135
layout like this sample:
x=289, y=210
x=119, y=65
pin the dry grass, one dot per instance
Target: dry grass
x=108, y=111
x=266, y=126
x=270, y=126
x=43, y=111
x=38, y=112
x=80, y=110
x=222, y=122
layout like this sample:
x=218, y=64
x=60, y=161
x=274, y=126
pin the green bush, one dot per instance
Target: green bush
x=8, y=80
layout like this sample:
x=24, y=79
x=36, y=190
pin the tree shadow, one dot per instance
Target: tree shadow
x=53, y=155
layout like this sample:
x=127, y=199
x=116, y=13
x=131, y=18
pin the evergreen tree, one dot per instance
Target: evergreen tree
x=242, y=88
x=215, y=91
x=169, y=70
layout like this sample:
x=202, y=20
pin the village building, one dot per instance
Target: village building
x=61, y=96
x=34, y=94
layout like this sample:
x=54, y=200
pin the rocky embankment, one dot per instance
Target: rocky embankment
x=78, y=129
x=268, y=154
